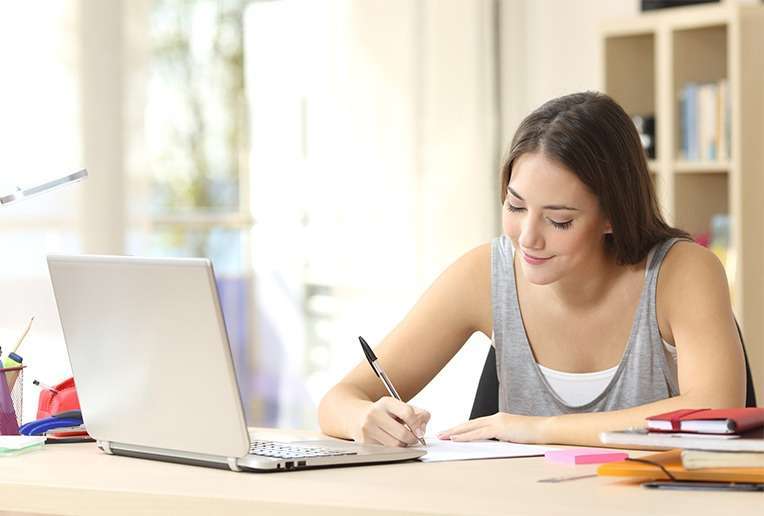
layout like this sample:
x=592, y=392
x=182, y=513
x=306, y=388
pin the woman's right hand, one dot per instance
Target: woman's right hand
x=383, y=423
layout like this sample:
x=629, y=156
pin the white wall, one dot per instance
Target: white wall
x=457, y=205
x=102, y=89
x=458, y=132
x=551, y=48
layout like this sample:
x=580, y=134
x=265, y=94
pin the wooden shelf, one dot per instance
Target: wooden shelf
x=701, y=167
x=648, y=60
x=688, y=17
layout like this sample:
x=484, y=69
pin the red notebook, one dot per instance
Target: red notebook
x=708, y=421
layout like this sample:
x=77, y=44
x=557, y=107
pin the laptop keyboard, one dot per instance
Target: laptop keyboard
x=280, y=450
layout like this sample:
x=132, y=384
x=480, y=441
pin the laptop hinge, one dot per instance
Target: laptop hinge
x=232, y=464
x=105, y=446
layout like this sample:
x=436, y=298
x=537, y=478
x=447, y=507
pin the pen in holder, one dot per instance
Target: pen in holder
x=59, y=398
x=11, y=397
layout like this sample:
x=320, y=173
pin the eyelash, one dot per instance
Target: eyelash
x=556, y=225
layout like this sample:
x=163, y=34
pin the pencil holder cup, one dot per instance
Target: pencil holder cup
x=11, y=398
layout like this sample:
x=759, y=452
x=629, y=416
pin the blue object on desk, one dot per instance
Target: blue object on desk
x=66, y=419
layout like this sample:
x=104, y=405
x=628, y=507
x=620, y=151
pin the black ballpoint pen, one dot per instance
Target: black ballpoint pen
x=377, y=368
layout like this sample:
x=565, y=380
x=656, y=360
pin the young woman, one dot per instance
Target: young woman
x=601, y=314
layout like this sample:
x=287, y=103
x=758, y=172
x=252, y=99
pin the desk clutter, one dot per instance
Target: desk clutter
x=11, y=383
x=59, y=418
x=712, y=449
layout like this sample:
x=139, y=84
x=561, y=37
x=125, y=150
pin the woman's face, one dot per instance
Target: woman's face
x=554, y=221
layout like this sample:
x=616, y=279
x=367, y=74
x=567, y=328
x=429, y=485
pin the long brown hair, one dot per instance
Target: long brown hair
x=593, y=137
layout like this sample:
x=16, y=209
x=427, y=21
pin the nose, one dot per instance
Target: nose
x=531, y=234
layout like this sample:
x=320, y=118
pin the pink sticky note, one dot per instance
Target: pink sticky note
x=585, y=456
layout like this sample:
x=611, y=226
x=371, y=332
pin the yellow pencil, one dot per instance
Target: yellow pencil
x=23, y=336
x=13, y=360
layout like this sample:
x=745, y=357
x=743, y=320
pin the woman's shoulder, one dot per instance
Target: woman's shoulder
x=690, y=269
x=477, y=259
x=469, y=268
x=465, y=289
x=690, y=260
x=473, y=269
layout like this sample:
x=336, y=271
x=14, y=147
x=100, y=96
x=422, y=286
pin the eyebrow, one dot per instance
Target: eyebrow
x=548, y=206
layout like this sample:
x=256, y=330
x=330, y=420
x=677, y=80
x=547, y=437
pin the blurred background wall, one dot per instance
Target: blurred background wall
x=330, y=156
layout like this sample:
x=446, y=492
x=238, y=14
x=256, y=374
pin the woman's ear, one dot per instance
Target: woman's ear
x=608, y=229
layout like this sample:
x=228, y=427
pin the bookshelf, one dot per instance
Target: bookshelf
x=649, y=61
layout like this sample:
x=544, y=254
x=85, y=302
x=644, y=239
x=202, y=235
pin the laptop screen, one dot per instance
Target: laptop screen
x=149, y=352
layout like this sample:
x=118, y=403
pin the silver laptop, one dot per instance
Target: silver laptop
x=155, y=378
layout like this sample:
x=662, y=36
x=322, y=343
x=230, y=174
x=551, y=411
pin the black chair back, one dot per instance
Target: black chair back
x=750, y=392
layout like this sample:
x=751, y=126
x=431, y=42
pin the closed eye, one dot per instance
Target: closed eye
x=557, y=225
x=561, y=225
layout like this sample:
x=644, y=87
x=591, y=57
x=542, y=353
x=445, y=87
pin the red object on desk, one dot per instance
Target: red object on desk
x=731, y=420
x=62, y=399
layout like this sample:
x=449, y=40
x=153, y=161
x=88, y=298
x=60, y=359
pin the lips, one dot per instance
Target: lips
x=535, y=260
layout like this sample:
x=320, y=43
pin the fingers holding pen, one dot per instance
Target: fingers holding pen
x=378, y=435
x=416, y=418
x=381, y=427
x=385, y=423
x=397, y=431
x=403, y=422
x=400, y=420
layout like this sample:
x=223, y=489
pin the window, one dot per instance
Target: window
x=193, y=200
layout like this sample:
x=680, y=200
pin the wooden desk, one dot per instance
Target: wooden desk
x=80, y=479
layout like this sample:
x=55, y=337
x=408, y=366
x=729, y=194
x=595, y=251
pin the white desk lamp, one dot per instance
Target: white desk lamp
x=20, y=193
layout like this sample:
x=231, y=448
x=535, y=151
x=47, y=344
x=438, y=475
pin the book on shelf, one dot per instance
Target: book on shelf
x=699, y=459
x=718, y=240
x=708, y=421
x=704, y=117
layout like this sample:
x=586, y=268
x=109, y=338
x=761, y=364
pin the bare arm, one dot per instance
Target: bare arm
x=453, y=308
x=694, y=298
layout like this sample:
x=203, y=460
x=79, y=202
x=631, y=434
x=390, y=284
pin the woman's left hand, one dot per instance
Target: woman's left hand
x=501, y=426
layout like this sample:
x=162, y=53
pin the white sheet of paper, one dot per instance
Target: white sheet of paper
x=439, y=450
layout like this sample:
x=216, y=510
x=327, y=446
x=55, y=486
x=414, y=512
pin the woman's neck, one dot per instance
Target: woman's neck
x=588, y=285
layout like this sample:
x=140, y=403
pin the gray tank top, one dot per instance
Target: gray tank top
x=643, y=375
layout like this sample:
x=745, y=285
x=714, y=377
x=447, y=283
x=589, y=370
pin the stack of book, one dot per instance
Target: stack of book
x=727, y=424
x=704, y=116
x=717, y=445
